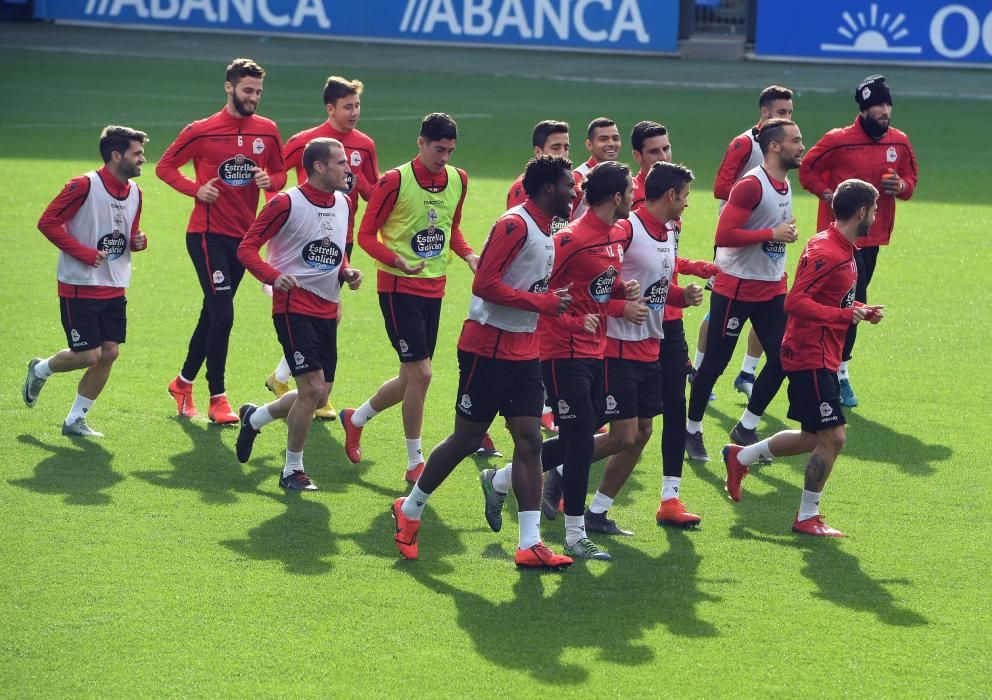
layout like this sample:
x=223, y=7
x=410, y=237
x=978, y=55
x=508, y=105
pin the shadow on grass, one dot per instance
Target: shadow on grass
x=837, y=574
x=300, y=538
x=79, y=469
x=605, y=607
x=880, y=443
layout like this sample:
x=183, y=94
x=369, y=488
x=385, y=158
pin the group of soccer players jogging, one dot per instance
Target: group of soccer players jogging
x=575, y=319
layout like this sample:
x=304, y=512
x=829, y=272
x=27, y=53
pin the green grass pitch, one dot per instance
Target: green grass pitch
x=151, y=563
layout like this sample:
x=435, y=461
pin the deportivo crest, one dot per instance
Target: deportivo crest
x=404, y=348
x=429, y=243
x=825, y=410
x=466, y=403
x=257, y=146
x=891, y=154
x=218, y=276
x=733, y=323
x=322, y=254
x=113, y=244
x=237, y=171
x=563, y=407
x=74, y=334
x=356, y=159
x=601, y=288
x=611, y=403
x=298, y=358
x=865, y=93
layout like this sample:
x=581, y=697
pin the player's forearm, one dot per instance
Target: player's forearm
x=805, y=307
x=696, y=268
x=174, y=178
x=55, y=231
x=370, y=243
x=459, y=245
x=249, y=256
x=739, y=238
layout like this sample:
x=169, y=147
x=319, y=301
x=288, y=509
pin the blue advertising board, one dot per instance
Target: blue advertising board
x=945, y=32
x=642, y=26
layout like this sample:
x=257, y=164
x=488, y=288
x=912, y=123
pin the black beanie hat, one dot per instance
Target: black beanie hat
x=872, y=91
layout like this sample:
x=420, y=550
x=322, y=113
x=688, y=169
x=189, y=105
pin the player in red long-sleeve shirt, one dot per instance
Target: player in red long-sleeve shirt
x=236, y=154
x=874, y=151
x=94, y=222
x=499, y=370
x=342, y=100
x=603, y=144
x=550, y=138
x=821, y=306
x=411, y=223
x=743, y=154
x=306, y=230
x=751, y=237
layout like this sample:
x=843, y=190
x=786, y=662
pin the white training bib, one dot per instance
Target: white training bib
x=761, y=261
x=651, y=262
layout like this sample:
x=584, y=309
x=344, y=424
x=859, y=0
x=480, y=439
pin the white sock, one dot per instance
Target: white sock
x=670, y=487
x=750, y=420
x=363, y=414
x=282, y=372
x=530, y=528
x=42, y=370
x=294, y=463
x=600, y=503
x=694, y=426
x=752, y=453
x=575, y=528
x=750, y=364
x=560, y=469
x=842, y=373
x=414, y=453
x=699, y=359
x=184, y=379
x=546, y=409
x=79, y=408
x=413, y=505
x=261, y=417
x=503, y=479
x=809, y=505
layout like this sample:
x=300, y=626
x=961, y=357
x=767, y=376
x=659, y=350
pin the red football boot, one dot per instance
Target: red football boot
x=541, y=557
x=220, y=411
x=406, y=531
x=182, y=392
x=815, y=526
x=413, y=474
x=352, y=437
x=548, y=422
x=735, y=471
x=672, y=511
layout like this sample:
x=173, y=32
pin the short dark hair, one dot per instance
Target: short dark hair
x=665, y=176
x=544, y=170
x=243, y=68
x=119, y=138
x=337, y=87
x=643, y=131
x=605, y=180
x=544, y=129
x=772, y=130
x=598, y=123
x=850, y=196
x=318, y=150
x=437, y=126
x=772, y=93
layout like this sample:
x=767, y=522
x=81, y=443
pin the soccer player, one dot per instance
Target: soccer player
x=306, y=230
x=751, y=235
x=236, y=154
x=874, y=151
x=743, y=154
x=342, y=100
x=821, y=305
x=550, y=138
x=411, y=223
x=603, y=144
x=94, y=224
x=499, y=370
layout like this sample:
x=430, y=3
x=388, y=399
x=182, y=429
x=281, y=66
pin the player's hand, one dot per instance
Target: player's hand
x=827, y=196
x=261, y=178
x=406, y=268
x=590, y=322
x=284, y=283
x=101, y=257
x=631, y=290
x=709, y=270
x=139, y=241
x=472, y=260
x=693, y=294
x=875, y=313
x=892, y=183
x=564, y=299
x=859, y=313
x=785, y=232
x=208, y=193
x=353, y=277
x=636, y=311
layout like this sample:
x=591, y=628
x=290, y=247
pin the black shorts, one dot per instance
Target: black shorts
x=814, y=399
x=309, y=343
x=575, y=390
x=632, y=389
x=89, y=323
x=486, y=387
x=411, y=324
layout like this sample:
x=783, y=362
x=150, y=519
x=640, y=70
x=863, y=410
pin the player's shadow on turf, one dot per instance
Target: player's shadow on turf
x=79, y=469
x=836, y=573
x=879, y=443
x=210, y=467
x=300, y=537
x=604, y=607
